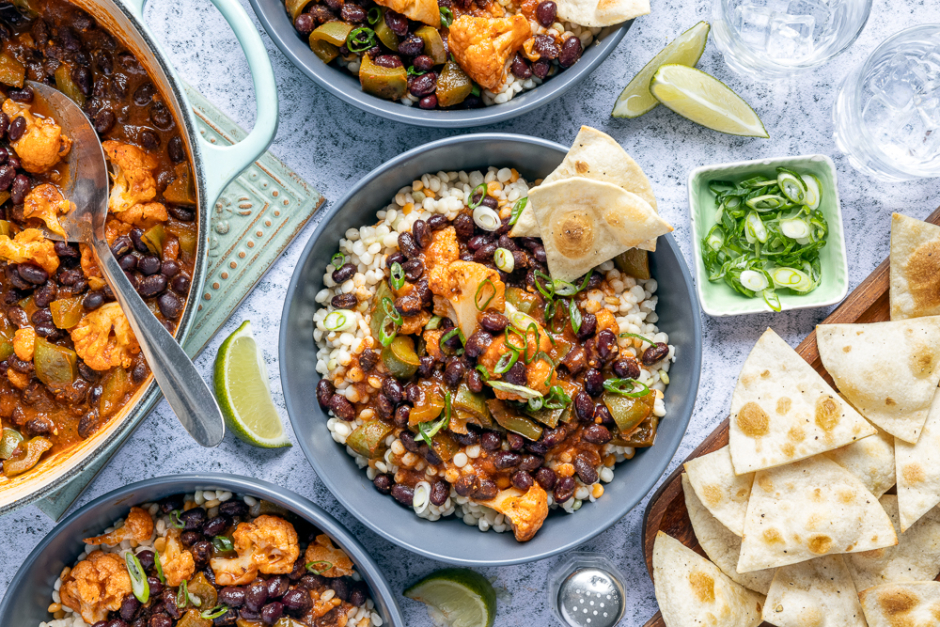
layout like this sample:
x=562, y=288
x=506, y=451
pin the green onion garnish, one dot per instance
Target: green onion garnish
x=476, y=298
x=222, y=543
x=564, y=288
x=338, y=260
x=415, y=72
x=475, y=90
x=517, y=210
x=575, y=315
x=397, y=275
x=183, y=597
x=159, y=566
x=506, y=361
x=638, y=336
x=544, y=290
x=335, y=320
x=532, y=327
x=427, y=430
x=318, y=567
x=626, y=387
x=447, y=17
x=510, y=331
x=503, y=260
x=557, y=398
x=546, y=358
x=374, y=15
x=216, y=612
x=139, y=585
x=361, y=39
x=481, y=189
x=175, y=519
x=433, y=323
x=483, y=372
x=455, y=331
x=511, y=388
x=587, y=279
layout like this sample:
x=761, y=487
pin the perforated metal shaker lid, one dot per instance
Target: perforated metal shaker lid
x=588, y=593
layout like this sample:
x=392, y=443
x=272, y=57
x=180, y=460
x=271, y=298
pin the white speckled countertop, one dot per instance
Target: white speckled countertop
x=331, y=145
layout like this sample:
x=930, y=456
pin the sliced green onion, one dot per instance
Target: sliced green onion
x=517, y=210
x=397, y=274
x=519, y=390
x=216, y=612
x=427, y=430
x=413, y=72
x=795, y=228
x=340, y=320
x=433, y=323
x=574, y=314
x=483, y=372
x=390, y=312
x=175, y=519
x=139, y=585
x=638, y=336
x=564, y=288
x=716, y=238
x=772, y=300
x=813, y=191
x=473, y=204
x=543, y=290
x=587, y=279
x=754, y=281
x=626, y=387
x=475, y=90
x=754, y=228
x=390, y=325
x=338, y=260
x=447, y=17
x=159, y=567
x=547, y=359
x=534, y=328
x=766, y=202
x=360, y=39
x=486, y=218
x=557, y=398
x=503, y=260
x=476, y=297
x=444, y=338
x=796, y=280
x=319, y=567
x=792, y=186
x=535, y=404
x=374, y=15
x=506, y=362
x=510, y=330
x=549, y=312
x=222, y=543
x=183, y=597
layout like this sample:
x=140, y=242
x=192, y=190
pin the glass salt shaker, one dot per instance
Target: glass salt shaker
x=587, y=591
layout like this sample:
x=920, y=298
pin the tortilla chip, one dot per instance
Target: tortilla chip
x=718, y=489
x=692, y=591
x=888, y=370
x=918, y=470
x=915, y=558
x=602, y=13
x=782, y=410
x=915, y=268
x=808, y=509
x=585, y=222
x=816, y=593
x=598, y=156
x=915, y=604
x=720, y=545
x=870, y=459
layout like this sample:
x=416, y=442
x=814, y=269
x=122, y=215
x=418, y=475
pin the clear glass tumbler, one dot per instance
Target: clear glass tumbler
x=887, y=113
x=776, y=39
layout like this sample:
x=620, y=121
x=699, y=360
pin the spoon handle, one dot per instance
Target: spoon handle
x=183, y=388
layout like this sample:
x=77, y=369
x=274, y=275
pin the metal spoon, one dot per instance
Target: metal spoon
x=87, y=189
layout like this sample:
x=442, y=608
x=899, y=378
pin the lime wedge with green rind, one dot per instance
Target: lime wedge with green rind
x=457, y=597
x=686, y=49
x=705, y=100
x=241, y=387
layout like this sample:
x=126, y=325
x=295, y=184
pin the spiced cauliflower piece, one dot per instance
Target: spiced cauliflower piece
x=177, y=563
x=267, y=545
x=424, y=11
x=96, y=585
x=133, y=181
x=103, y=338
x=24, y=341
x=326, y=559
x=526, y=511
x=46, y=203
x=463, y=283
x=42, y=145
x=144, y=215
x=30, y=246
x=138, y=526
x=483, y=45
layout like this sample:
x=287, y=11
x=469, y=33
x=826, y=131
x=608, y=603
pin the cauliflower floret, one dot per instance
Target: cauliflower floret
x=137, y=527
x=104, y=339
x=177, y=563
x=30, y=246
x=133, y=175
x=328, y=560
x=96, y=586
x=46, y=203
x=482, y=45
x=606, y=320
x=24, y=341
x=144, y=215
x=443, y=250
x=267, y=545
x=526, y=510
x=90, y=268
x=42, y=145
x=459, y=283
x=17, y=378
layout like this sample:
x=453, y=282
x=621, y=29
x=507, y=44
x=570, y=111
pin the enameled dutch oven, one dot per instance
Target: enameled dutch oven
x=29, y=594
x=214, y=168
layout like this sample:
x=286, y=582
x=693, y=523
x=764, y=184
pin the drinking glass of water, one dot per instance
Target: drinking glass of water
x=773, y=39
x=887, y=113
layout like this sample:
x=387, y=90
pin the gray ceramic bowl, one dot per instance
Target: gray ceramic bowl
x=345, y=86
x=450, y=540
x=30, y=591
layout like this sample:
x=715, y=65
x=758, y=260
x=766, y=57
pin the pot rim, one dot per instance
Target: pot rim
x=300, y=505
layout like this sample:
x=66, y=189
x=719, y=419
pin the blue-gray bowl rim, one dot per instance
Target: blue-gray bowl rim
x=500, y=553
x=274, y=19
x=120, y=500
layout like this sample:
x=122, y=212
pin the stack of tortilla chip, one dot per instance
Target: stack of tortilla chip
x=596, y=205
x=794, y=509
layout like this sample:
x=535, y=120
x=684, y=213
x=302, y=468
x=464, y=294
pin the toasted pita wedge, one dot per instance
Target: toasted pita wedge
x=692, y=591
x=720, y=545
x=915, y=268
x=808, y=509
x=598, y=156
x=870, y=459
x=915, y=558
x=915, y=604
x=888, y=370
x=782, y=410
x=816, y=593
x=585, y=222
x=602, y=13
x=918, y=470
x=721, y=491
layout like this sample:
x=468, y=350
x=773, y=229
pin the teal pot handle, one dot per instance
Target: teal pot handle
x=223, y=164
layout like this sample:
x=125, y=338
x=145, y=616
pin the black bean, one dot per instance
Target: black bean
x=564, y=489
x=146, y=559
x=520, y=67
x=344, y=273
x=407, y=245
x=160, y=116
x=388, y=60
x=156, y=586
x=594, y=382
x=596, y=434
x=81, y=76
x=408, y=441
x=152, y=285
x=180, y=284
x=545, y=13
x=384, y=407
x=424, y=85
x=7, y=174
x=41, y=316
x=202, y=553
x=490, y=441
x=397, y=22
x=383, y=483
x=584, y=407
x=656, y=352
x=344, y=301
x=32, y=274
x=19, y=189
x=18, y=316
x=14, y=162
x=437, y=221
x=121, y=246
x=494, y=322
x=413, y=268
x=368, y=359
x=541, y=68
x=305, y=23
x=144, y=94
x=475, y=381
x=277, y=587
x=193, y=519
x=234, y=509
x=505, y=459
x=570, y=52
x=4, y=126
x=170, y=503
x=607, y=344
x=256, y=595
x=48, y=331
x=627, y=368
x=463, y=224
x=411, y=46
x=169, y=268
x=403, y=494
x=517, y=374
x=522, y=480
x=426, y=366
x=272, y=612
x=546, y=47
x=177, y=153
x=230, y=617
x=17, y=128
x=477, y=344
x=554, y=437
x=439, y=493
x=393, y=389
x=88, y=425
x=467, y=485
x=531, y=463
x=149, y=264
x=128, y=263
x=215, y=526
x=487, y=490
x=516, y=442
x=358, y=593
x=39, y=426
x=586, y=471
x=297, y=601
x=93, y=300
x=44, y=296
x=342, y=408
x=104, y=121
x=454, y=372
x=149, y=140
x=24, y=95
x=114, y=622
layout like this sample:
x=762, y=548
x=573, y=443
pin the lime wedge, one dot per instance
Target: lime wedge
x=704, y=99
x=241, y=386
x=456, y=597
x=686, y=49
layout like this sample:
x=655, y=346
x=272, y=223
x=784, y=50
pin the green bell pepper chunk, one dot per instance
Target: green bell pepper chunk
x=400, y=357
x=470, y=402
x=628, y=412
x=56, y=366
x=513, y=422
x=369, y=438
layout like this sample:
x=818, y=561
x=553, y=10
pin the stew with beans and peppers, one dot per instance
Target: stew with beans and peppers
x=70, y=361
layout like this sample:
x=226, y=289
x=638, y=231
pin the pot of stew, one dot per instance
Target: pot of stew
x=72, y=377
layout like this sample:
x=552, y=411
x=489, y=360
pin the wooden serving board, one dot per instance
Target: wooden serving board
x=666, y=510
